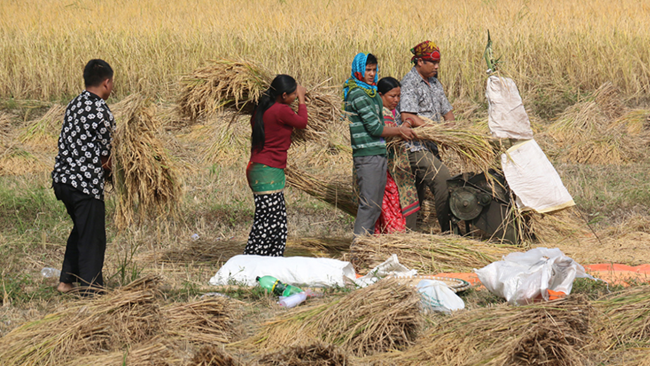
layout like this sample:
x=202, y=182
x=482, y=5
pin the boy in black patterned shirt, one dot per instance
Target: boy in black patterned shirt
x=78, y=176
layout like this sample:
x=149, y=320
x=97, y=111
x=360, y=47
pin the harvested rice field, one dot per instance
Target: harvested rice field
x=187, y=75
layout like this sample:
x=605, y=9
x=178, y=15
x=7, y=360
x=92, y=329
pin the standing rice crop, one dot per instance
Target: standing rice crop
x=145, y=179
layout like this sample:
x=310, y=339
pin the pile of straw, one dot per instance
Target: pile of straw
x=5, y=130
x=473, y=149
x=598, y=131
x=43, y=133
x=337, y=193
x=126, y=316
x=557, y=227
x=145, y=178
x=156, y=352
x=212, y=355
x=429, y=254
x=206, y=321
x=323, y=110
x=384, y=316
x=317, y=354
x=220, y=84
x=551, y=333
x=625, y=318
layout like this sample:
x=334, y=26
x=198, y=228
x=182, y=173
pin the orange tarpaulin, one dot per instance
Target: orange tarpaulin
x=619, y=274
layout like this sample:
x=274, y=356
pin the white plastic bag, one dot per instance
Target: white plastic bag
x=437, y=296
x=316, y=272
x=522, y=278
x=533, y=179
x=507, y=117
x=390, y=267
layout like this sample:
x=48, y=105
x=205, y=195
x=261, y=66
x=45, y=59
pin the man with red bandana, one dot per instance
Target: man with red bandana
x=422, y=96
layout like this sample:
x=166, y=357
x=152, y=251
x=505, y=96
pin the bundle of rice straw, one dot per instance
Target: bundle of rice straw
x=551, y=333
x=323, y=110
x=43, y=133
x=126, y=316
x=557, y=227
x=145, y=178
x=625, y=318
x=381, y=317
x=208, y=321
x=317, y=354
x=339, y=194
x=220, y=84
x=472, y=148
x=427, y=253
x=5, y=130
x=590, y=132
x=212, y=355
x=157, y=352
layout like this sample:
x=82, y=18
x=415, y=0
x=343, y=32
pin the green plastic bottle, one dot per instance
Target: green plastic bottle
x=272, y=284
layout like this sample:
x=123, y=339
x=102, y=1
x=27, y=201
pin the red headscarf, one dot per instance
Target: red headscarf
x=426, y=50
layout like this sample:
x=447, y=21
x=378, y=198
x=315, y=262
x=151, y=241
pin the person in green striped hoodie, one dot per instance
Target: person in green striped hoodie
x=364, y=106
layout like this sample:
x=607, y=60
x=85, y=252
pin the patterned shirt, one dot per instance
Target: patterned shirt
x=366, y=123
x=85, y=138
x=427, y=100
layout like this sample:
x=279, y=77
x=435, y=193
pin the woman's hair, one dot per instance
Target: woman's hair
x=371, y=60
x=280, y=85
x=387, y=84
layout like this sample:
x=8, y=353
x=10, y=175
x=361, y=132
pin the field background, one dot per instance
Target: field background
x=558, y=52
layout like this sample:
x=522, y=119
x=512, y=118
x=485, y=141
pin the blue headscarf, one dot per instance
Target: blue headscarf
x=357, y=75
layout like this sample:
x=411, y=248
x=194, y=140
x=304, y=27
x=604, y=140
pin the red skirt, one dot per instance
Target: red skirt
x=391, y=219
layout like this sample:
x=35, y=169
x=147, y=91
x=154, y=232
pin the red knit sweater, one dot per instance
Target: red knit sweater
x=279, y=122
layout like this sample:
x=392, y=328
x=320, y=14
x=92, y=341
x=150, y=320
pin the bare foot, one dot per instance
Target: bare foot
x=64, y=287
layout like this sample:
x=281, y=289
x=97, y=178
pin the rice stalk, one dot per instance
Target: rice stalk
x=159, y=352
x=473, y=149
x=208, y=321
x=43, y=133
x=222, y=83
x=429, y=254
x=125, y=316
x=635, y=122
x=317, y=354
x=381, y=317
x=339, y=194
x=145, y=178
x=212, y=355
x=625, y=318
x=551, y=333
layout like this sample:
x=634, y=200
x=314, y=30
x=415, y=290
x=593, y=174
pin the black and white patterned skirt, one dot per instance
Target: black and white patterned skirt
x=268, y=235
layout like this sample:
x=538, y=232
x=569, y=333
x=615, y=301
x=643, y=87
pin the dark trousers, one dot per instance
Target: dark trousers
x=84, y=253
x=431, y=172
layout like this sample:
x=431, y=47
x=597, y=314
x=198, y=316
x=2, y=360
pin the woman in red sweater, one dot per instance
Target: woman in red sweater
x=272, y=122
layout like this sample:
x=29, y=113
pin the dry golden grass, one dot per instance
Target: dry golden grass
x=339, y=194
x=317, y=354
x=42, y=134
x=546, y=45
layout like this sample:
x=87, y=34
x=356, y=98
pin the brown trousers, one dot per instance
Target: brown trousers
x=431, y=172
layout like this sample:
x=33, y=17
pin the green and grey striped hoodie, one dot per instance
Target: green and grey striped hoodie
x=367, y=123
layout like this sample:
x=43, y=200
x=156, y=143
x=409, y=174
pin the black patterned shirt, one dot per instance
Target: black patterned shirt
x=85, y=138
x=427, y=100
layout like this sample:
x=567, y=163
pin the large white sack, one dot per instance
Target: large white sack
x=507, y=117
x=437, y=296
x=317, y=272
x=533, y=179
x=521, y=278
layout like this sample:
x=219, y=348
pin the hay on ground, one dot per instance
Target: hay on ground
x=429, y=254
x=123, y=317
x=625, y=319
x=145, y=178
x=551, y=333
x=208, y=321
x=157, y=352
x=337, y=193
x=317, y=354
x=43, y=133
x=381, y=317
x=557, y=227
x=221, y=84
x=212, y=355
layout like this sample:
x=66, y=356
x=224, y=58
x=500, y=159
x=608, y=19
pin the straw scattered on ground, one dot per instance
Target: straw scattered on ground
x=317, y=354
x=43, y=133
x=145, y=178
x=551, y=333
x=208, y=321
x=429, y=254
x=213, y=355
x=625, y=318
x=157, y=352
x=126, y=316
x=378, y=318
